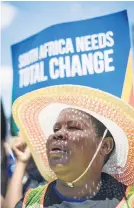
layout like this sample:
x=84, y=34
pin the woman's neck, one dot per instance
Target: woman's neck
x=84, y=188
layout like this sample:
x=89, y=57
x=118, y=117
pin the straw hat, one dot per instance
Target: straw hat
x=36, y=112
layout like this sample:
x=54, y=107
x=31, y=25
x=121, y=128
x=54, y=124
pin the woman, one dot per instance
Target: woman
x=88, y=156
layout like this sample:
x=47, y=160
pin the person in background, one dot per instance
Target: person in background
x=4, y=176
x=15, y=185
x=25, y=174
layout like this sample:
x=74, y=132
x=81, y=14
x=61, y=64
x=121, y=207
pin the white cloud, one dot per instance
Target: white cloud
x=8, y=13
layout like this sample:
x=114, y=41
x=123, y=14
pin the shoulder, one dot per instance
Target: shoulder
x=112, y=181
x=113, y=186
x=32, y=193
x=33, y=196
x=117, y=187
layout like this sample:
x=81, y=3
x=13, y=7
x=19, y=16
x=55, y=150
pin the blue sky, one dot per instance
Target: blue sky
x=23, y=19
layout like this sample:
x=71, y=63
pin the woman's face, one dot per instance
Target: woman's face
x=73, y=143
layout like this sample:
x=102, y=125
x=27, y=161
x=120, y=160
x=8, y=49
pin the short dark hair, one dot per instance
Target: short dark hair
x=99, y=129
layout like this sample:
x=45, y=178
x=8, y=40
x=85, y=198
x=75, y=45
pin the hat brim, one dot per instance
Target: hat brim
x=36, y=112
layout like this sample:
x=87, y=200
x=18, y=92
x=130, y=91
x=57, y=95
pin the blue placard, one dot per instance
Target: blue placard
x=92, y=52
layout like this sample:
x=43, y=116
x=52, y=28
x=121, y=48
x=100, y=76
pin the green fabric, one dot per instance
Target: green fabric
x=34, y=197
x=131, y=192
x=130, y=199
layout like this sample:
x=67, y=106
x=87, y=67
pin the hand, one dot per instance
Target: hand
x=21, y=150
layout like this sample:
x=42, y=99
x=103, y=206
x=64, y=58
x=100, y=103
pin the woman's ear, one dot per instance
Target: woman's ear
x=107, y=146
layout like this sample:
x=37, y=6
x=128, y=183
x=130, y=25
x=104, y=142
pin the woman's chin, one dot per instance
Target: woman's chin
x=58, y=161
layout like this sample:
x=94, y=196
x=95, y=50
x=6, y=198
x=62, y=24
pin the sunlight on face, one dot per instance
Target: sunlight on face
x=73, y=142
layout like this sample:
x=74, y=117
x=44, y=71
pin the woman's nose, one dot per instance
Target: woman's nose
x=60, y=135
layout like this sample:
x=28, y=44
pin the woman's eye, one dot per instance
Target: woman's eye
x=56, y=129
x=74, y=128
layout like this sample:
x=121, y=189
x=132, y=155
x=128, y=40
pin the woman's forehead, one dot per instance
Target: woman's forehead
x=73, y=113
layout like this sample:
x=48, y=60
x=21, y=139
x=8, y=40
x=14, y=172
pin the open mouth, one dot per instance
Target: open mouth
x=57, y=149
x=58, y=153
